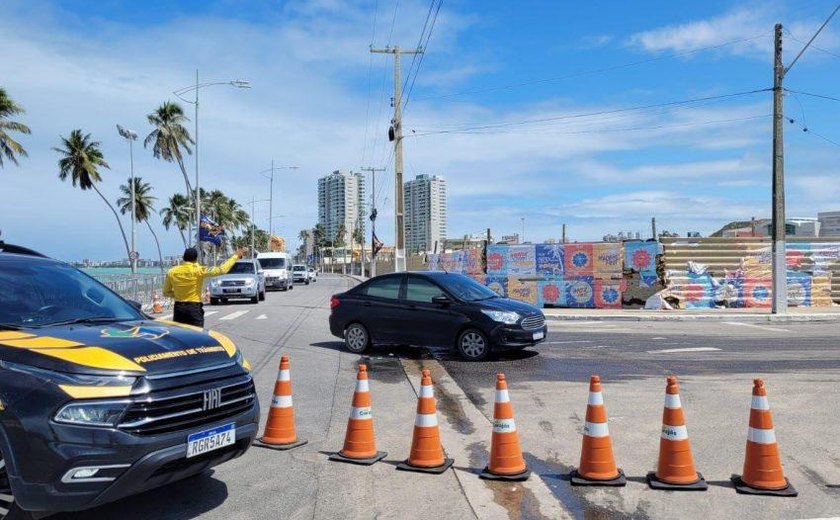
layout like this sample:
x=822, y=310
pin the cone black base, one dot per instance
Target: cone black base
x=338, y=457
x=743, y=488
x=577, y=480
x=656, y=483
x=485, y=474
x=280, y=447
x=436, y=470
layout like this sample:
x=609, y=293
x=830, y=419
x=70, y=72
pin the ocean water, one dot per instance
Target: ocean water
x=110, y=271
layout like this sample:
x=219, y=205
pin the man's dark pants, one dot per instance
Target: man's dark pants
x=189, y=313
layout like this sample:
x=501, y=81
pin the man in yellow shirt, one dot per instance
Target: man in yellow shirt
x=184, y=283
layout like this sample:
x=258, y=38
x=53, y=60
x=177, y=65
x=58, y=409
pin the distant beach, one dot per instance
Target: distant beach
x=111, y=271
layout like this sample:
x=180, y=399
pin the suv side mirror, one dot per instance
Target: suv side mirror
x=441, y=300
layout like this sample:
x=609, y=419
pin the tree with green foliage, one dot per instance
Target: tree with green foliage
x=144, y=206
x=9, y=148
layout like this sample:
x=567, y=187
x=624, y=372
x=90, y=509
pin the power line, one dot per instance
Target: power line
x=591, y=71
x=419, y=44
x=591, y=114
x=377, y=136
x=811, y=94
x=370, y=82
x=814, y=37
x=808, y=130
x=423, y=55
x=826, y=51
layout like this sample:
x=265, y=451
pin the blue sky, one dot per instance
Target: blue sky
x=320, y=101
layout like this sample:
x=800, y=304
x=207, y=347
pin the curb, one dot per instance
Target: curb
x=753, y=318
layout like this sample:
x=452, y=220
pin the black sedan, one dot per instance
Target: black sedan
x=434, y=309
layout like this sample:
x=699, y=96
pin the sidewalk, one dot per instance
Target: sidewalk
x=795, y=314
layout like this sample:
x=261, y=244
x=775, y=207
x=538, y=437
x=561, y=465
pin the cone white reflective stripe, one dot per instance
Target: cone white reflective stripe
x=502, y=396
x=427, y=391
x=760, y=436
x=596, y=429
x=760, y=402
x=281, y=401
x=674, y=433
x=362, y=412
x=504, y=425
x=362, y=385
x=425, y=420
x=283, y=375
x=672, y=401
x=596, y=398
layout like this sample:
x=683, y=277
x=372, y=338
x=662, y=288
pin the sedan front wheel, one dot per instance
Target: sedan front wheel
x=473, y=345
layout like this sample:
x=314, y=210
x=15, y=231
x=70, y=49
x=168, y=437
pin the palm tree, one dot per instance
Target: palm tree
x=8, y=146
x=339, y=241
x=170, y=138
x=357, y=237
x=144, y=204
x=177, y=213
x=80, y=160
x=319, y=235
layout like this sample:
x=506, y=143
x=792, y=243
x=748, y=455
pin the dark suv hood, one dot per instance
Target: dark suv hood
x=136, y=347
x=506, y=304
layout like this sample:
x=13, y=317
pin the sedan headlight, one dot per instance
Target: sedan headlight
x=92, y=413
x=506, y=317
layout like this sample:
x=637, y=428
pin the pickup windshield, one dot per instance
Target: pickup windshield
x=41, y=294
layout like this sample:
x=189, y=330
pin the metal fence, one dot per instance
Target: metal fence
x=138, y=287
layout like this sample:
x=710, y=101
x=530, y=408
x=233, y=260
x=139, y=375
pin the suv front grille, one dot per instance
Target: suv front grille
x=533, y=322
x=156, y=415
x=233, y=283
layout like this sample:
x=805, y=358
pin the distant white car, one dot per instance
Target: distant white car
x=313, y=274
x=300, y=274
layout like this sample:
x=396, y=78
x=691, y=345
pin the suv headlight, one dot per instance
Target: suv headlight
x=92, y=413
x=506, y=317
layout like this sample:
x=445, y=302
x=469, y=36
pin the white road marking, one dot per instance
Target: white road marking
x=210, y=313
x=564, y=342
x=680, y=350
x=262, y=317
x=599, y=346
x=658, y=338
x=761, y=327
x=234, y=315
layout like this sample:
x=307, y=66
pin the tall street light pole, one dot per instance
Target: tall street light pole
x=269, y=174
x=131, y=136
x=238, y=83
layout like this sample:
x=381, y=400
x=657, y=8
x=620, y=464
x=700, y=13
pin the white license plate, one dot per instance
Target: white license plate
x=539, y=335
x=210, y=440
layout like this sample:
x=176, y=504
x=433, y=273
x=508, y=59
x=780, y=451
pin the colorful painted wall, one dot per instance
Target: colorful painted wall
x=581, y=275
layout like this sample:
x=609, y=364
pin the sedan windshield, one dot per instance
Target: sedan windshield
x=242, y=268
x=465, y=288
x=43, y=293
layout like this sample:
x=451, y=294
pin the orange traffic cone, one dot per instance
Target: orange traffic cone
x=280, y=429
x=426, y=451
x=675, y=470
x=506, y=462
x=359, y=443
x=597, y=462
x=157, y=306
x=763, y=473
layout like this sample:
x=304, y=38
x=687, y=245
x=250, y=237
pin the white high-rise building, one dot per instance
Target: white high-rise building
x=829, y=223
x=341, y=201
x=425, y=213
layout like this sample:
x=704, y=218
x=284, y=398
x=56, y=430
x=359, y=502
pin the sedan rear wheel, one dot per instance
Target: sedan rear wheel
x=356, y=338
x=473, y=345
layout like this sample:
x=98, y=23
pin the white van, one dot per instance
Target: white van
x=278, y=270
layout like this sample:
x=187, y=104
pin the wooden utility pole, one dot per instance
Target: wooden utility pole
x=396, y=135
x=372, y=171
x=778, y=247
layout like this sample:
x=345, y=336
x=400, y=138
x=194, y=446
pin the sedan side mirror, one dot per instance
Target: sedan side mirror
x=441, y=300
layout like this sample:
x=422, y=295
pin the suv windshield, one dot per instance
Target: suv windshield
x=272, y=263
x=465, y=288
x=298, y=268
x=242, y=268
x=38, y=294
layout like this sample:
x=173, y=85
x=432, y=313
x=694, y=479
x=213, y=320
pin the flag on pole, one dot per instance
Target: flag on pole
x=211, y=232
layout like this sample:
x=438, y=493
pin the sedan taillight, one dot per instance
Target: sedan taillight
x=334, y=302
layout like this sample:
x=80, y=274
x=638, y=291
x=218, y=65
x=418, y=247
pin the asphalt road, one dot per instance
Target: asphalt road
x=715, y=362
